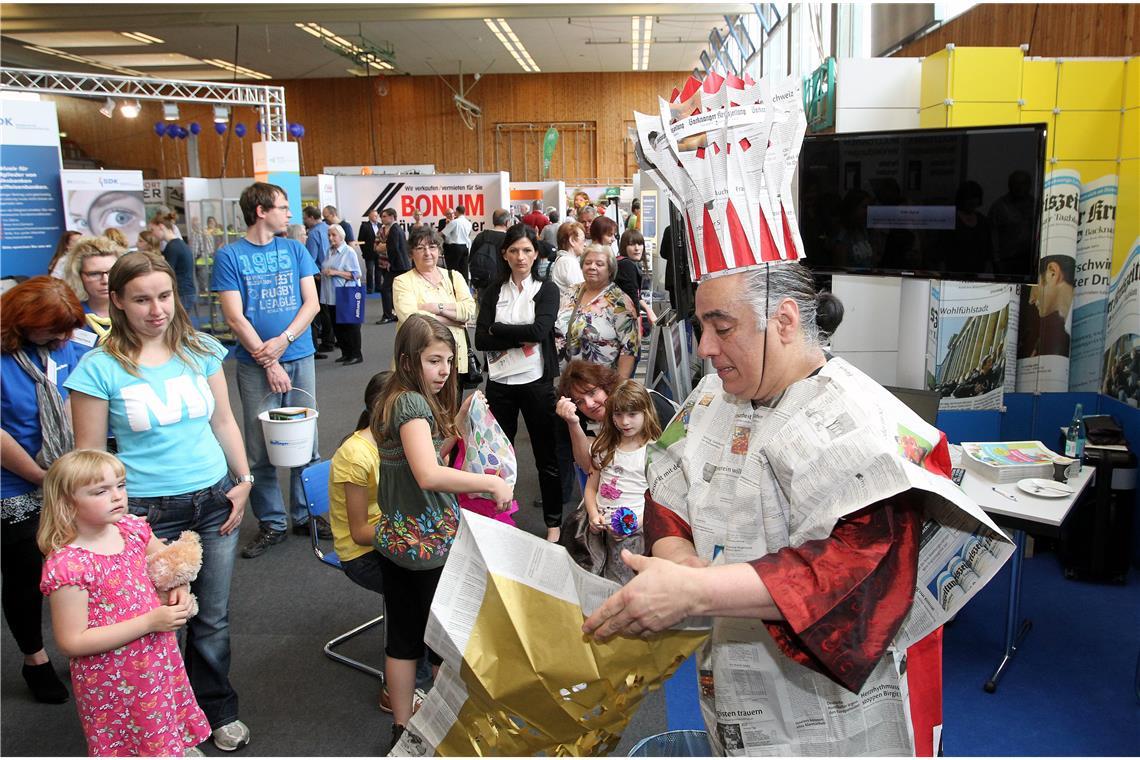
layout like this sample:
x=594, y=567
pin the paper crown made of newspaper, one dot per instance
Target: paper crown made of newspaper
x=724, y=151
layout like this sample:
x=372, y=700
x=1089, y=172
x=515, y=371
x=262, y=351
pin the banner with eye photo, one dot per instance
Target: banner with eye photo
x=96, y=201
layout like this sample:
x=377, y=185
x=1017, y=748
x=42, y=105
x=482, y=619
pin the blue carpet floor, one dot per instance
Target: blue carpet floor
x=1070, y=691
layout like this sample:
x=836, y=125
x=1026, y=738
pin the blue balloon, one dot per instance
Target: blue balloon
x=259, y=128
x=182, y=132
x=172, y=130
x=159, y=128
x=294, y=128
x=220, y=128
x=300, y=131
x=195, y=128
x=239, y=129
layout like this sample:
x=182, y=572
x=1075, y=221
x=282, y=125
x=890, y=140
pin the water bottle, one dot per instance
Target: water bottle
x=1075, y=437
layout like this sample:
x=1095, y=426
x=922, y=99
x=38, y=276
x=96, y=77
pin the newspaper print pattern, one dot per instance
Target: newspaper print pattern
x=831, y=445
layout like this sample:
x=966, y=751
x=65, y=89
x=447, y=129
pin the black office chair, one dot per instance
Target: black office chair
x=315, y=483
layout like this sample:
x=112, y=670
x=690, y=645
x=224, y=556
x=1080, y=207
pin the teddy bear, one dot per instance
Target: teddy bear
x=177, y=564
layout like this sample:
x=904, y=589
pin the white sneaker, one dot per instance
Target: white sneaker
x=234, y=735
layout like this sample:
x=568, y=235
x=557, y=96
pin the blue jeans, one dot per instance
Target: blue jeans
x=265, y=499
x=207, y=652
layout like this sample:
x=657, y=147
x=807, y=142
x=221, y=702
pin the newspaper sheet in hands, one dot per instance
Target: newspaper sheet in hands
x=519, y=677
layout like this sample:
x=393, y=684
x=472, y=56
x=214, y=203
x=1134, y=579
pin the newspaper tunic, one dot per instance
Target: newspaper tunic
x=749, y=482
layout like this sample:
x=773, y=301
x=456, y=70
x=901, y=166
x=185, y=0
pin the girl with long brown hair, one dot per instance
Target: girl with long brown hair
x=614, y=496
x=415, y=422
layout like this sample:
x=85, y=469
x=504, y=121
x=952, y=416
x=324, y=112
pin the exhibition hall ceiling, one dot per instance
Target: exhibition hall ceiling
x=298, y=41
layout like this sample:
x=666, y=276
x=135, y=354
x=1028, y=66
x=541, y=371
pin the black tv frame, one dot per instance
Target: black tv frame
x=1027, y=279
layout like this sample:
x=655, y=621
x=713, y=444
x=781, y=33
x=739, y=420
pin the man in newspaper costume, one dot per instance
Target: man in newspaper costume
x=811, y=514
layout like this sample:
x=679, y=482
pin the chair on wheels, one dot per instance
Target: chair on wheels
x=315, y=483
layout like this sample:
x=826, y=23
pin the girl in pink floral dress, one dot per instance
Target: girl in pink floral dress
x=130, y=684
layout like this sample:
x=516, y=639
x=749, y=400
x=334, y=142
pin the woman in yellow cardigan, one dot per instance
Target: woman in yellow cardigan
x=427, y=288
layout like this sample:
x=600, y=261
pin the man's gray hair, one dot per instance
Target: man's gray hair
x=785, y=280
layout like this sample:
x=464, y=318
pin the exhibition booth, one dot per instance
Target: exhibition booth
x=977, y=212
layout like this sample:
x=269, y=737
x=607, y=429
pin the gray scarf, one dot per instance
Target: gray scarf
x=55, y=426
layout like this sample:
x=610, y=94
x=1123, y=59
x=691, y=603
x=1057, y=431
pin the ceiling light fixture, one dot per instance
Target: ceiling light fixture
x=130, y=109
x=83, y=60
x=365, y=54
x=641, y=36
x=170, y=111
x=511, y=42
x=221, y=114
x=240, y=70
x=145, y=39
x=108, y=108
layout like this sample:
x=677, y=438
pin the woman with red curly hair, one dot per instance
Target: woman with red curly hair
x=37, y=318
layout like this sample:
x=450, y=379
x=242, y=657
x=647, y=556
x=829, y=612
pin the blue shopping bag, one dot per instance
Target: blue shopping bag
x=350, y=305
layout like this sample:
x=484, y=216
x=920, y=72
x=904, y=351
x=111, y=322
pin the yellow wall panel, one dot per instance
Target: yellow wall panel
x=1089, y=170
x=1088, y=135
x=986, y=74
x=1090, y=85
x=1049, y=119
x=933, y=117
x=1130, y=133
x=970, y=114
x=935, y=86
x=1132, y=83
x=1039, y=84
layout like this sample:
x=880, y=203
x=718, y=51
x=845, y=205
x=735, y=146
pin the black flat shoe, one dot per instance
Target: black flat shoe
x=342, y=359
x=319, y=355
x=45, y=684
x=354, y=360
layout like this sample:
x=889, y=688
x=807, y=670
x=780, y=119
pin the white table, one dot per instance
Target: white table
x=1017, y=511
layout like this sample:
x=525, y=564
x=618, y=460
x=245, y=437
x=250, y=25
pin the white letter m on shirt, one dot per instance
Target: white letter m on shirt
x=189, y=391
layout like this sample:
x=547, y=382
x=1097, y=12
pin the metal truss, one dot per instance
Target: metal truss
x=270, y=101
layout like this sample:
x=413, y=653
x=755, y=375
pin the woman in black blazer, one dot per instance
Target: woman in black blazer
x=515, y=327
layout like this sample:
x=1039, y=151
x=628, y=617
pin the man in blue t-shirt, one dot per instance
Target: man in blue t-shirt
x=268, y=297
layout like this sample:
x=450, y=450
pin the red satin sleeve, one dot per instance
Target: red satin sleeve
x=661, y=522
x=844, y=597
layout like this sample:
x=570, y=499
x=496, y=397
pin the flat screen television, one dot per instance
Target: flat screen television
x=957, y=204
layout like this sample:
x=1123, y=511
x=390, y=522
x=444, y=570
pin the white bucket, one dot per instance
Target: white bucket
x=289, y=443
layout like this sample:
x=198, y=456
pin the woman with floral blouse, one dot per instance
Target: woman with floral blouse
x=601, y=323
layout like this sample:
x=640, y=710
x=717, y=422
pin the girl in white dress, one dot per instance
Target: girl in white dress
x=615, y=491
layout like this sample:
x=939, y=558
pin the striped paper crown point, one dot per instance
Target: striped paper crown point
x=724, y=150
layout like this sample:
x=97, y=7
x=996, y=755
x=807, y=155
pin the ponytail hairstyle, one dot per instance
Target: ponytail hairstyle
x=629, y=396
x=828, y=315
x=414, y=337
x=165, y=217
x=69, y=473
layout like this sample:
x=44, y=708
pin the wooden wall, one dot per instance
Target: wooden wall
x=346, y=123
x=1051, y=30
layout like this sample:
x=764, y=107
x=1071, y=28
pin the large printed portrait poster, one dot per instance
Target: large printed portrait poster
x=1045, y=337
x=1121, y=365
x=96, y=201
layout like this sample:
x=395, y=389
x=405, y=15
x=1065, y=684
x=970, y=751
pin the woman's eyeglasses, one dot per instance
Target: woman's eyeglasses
x=96, y=275
x=423, y=248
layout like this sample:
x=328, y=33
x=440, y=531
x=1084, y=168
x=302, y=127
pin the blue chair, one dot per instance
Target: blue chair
x=315, y=483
